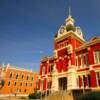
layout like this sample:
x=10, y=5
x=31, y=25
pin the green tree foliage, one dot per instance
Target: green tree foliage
x=70, y=28
x=90, y=96
x=34, y=95
x=2, y=82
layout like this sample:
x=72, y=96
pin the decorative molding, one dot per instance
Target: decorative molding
x=66, y=35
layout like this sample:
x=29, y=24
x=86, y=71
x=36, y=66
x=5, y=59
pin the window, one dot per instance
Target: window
x=82, y=58
x=15, y=84
x=98, y=78
x=26, y=84
x=25, y=90
x=21, y=84
x=79, y=61
x=22, y=76
x=9, y=83
x=31, y=84
x=52, y=67
x=89, y=80
x=85, y=62
x=32, y=78
x=86, y=58
x=17, y=76
x=18, y=90
x=28, y=77
x=76, y=61
x=98, y=75
x=97, y=56
x=10, y=75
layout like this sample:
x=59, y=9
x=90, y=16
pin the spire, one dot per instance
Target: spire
x=69, y=20
x=69, y=11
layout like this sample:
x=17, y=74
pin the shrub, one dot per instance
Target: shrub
x=2, y=82
x=90, y=96
x=70, y=28
x=34, y=95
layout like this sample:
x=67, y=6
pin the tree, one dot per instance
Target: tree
x=70, y=28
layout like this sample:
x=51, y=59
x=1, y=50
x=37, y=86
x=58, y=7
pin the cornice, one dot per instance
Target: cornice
x=68, y=34
x=84, y=46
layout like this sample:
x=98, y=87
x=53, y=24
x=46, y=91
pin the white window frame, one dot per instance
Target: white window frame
x=96, y=56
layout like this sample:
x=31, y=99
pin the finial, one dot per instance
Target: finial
x=69, y=11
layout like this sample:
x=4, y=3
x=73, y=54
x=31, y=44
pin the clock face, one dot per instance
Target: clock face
x=79, y=32
x=61, y=30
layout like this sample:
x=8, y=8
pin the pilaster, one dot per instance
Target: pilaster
x=72, y=78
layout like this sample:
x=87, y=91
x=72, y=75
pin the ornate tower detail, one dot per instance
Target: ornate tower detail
x=69, y=20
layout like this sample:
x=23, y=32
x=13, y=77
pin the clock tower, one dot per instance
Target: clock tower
x=68, y=38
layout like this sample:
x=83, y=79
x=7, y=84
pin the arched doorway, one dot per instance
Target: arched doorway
x=62, y=83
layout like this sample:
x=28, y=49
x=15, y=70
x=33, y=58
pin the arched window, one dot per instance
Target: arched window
x=10, y=75
x=22, y=76
x=15, y=84
x=9, y=83
x=26, y=84
x=28, y=76
x=17, y=76
x=25, y=90
x=21, y=84
x=32, y=78
x=97, y=56
x=31, y=84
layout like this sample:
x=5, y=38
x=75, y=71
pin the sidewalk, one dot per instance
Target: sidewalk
x=13, y=98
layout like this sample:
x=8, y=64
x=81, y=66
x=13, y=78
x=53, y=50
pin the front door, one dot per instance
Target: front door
x=62, y=83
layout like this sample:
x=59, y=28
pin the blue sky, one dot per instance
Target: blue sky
x=27, y=27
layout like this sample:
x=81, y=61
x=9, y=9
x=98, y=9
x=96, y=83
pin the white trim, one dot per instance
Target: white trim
x=67, y=34
x=18, y=68
x=97, y=80
x=96, y=54
x=87, y=44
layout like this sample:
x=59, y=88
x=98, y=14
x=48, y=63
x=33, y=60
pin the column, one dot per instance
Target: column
x=54, y=86
x=72, y=77
x=45, y=84
x=90, y=56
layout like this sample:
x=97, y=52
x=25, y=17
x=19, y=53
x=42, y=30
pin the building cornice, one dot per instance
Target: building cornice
x=90, y=43
x=21, y=69
x=47, y=58
x=68, y=34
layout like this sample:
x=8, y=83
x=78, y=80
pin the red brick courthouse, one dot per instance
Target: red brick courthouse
x=75, y=63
